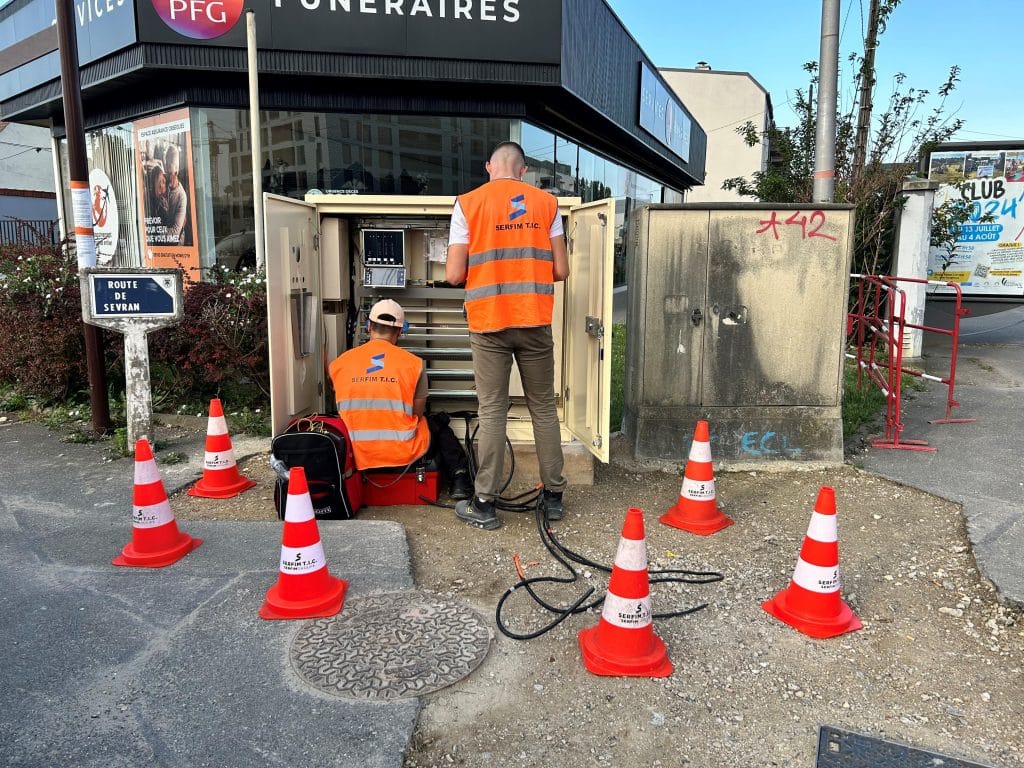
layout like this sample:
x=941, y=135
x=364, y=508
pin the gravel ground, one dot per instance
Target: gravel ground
x=937, y=665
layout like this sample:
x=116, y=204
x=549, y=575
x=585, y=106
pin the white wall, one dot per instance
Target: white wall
x=721, y=102
x=22, y=167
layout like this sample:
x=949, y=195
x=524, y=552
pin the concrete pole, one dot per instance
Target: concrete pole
x=828, y=86
x=139, y=395
x=913, y=236
x=254, y=139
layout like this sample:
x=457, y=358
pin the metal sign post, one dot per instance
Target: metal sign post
x=133, y=302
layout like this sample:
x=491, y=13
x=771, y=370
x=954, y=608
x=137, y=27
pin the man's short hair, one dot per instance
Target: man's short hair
x=384, y=330
x=514, y=146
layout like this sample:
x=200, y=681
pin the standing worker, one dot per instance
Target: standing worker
x=381, y=391
x=508, y=244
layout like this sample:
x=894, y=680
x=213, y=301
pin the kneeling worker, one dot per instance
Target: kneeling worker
x=381, y=391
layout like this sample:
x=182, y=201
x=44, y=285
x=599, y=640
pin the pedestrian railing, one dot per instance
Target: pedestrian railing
x=875, y=329
x=29, y=232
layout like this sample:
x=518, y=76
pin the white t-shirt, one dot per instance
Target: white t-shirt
x=459, y=234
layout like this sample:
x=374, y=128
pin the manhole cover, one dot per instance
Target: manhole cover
x=393, y=646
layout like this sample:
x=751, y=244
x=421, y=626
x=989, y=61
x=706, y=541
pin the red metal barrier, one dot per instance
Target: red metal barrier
x=877, y=325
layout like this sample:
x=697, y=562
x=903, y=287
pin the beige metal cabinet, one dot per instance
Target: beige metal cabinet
x=330, y=257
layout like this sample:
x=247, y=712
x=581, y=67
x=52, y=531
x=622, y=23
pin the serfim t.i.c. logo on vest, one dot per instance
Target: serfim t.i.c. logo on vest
x=376, y=363
x=517, y=207
x=199, y=19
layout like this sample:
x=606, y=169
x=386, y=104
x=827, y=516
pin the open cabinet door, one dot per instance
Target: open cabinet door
x=587, y=336
x=293, y=310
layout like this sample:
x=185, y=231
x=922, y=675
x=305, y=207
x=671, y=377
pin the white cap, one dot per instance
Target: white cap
x=388, y=312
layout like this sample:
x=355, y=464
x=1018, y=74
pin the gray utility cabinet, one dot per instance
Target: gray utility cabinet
x=736, y=315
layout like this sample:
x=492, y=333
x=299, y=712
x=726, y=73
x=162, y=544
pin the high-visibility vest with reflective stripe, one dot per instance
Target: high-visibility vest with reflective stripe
x=510, y=280
x=375, y=385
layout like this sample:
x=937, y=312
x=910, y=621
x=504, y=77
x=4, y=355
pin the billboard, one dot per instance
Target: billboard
x=987, y=257
x=167, y=205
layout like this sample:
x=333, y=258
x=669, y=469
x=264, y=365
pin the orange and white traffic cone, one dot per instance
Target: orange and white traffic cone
x=221, y=478
x=305, y=588
x=697, y=510
x=811, y=603
x=156, y=540
x=623, y=643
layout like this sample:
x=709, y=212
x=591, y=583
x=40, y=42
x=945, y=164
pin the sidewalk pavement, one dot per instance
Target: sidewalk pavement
x=978, y=465
x=168, y=667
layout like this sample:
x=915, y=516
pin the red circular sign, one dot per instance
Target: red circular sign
x=199, y=19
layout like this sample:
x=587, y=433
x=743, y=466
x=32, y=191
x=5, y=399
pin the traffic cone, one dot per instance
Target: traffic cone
x=156, y=540
x=696, y=510
x=304, y=589
x=623, y=643
x=221, y=479
x=811, y=603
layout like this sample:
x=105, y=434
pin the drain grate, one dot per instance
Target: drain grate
x=391, y=646
x=843, y=749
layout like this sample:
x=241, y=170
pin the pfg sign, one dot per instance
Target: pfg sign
x=199, y=19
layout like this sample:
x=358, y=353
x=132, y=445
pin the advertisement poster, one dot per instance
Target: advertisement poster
x=105, y=221
x=988, y=256
x=167, y=197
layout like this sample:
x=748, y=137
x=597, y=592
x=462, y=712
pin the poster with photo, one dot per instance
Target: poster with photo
x=987, y=258
x=167, y=197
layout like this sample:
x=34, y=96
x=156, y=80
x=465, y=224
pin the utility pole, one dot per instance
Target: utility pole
x=81, y=203
x=254, y=139
x=867, y=86
x=828, y=86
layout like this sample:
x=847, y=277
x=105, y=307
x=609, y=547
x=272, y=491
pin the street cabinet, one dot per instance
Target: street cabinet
x=331, y=257
x=736, y=315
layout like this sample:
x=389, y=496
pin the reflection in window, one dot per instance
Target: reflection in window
x=357, y=154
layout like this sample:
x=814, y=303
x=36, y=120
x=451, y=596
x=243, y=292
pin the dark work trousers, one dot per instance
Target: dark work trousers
x=444, y=445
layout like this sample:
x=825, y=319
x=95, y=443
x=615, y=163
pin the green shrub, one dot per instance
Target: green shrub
x=219, y=348
x=42, y=350
x=618, y=375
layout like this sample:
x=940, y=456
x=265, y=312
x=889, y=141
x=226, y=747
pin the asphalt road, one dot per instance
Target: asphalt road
x=107, y=666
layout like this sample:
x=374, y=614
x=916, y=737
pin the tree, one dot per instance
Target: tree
x=910, y=123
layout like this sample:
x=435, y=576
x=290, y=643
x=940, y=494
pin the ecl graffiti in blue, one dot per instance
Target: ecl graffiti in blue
x=767, y=444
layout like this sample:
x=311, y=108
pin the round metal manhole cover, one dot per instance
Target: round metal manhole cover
x=393, y=646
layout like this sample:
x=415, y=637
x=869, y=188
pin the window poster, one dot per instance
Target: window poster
x=987, y=257
x=167, y=195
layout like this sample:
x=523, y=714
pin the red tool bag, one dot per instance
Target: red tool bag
x=319, y=444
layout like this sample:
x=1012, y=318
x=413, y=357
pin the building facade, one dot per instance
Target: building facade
x=358, y=96
x=722, y=102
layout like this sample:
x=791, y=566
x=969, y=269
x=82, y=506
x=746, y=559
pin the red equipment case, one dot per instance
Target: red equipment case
x=389, y=487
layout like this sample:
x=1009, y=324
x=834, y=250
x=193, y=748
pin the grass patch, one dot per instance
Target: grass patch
x=860, y=406
x=250, y=422
x=172, y=457
x=618, y=396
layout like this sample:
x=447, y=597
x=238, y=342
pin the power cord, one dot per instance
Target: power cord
x=565, y=556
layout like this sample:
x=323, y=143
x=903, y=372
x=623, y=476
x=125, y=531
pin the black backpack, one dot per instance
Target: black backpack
x=320, y=445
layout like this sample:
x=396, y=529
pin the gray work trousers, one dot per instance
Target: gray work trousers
x=533, y=350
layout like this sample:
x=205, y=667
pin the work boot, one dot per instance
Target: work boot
x=550, y=503
x=461, y=485
x=478, y=512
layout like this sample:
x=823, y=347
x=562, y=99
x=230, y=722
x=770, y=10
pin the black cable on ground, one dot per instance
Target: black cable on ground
x=565, y=556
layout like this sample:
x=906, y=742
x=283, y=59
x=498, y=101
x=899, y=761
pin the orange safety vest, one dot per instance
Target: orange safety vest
x=510, y=280
x=375, y=385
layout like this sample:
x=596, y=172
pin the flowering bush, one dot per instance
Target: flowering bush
x=42, y=350
x=220, y=347
x=218, y=350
